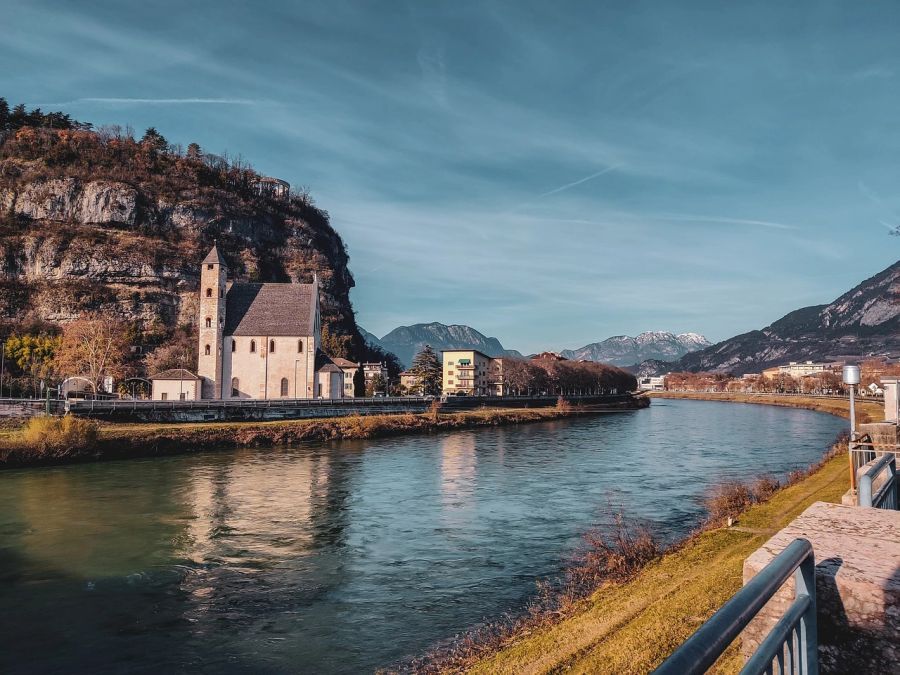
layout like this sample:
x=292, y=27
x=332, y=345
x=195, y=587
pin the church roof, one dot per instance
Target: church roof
x=213, y=257
x=270, y=309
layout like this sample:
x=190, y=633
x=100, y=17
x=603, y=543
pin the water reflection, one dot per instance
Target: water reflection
x=343, y=557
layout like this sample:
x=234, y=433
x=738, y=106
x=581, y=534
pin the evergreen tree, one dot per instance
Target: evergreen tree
x=154, y=139
x=426, y=366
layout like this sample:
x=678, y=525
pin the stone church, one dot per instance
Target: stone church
x=261, y=341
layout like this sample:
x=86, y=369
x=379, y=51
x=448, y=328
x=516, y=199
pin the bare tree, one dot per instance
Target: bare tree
x=92, y=346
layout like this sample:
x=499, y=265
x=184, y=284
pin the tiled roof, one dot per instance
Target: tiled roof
x=175, y=374
x=214, y=257
x=330, y=368
x=269, y=309
x=344, y=363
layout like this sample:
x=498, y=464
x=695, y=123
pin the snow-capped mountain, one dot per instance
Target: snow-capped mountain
x=623, y=350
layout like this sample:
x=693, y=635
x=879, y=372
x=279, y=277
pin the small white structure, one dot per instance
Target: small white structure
x=175, y=385
x=349, y=370
x=891, y=385
x=651, y=383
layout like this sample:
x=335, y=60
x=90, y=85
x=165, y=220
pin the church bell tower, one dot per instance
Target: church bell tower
x=212, y=324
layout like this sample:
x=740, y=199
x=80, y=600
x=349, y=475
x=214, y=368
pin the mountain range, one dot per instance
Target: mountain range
x=863, y=322
x=407, y=341
x=623, y=350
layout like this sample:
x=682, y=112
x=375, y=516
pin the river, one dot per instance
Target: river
x=346, y=557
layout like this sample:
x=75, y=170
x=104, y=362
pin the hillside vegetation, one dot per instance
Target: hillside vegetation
x=98, y=220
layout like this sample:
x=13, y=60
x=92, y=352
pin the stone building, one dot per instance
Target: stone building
x=175, y=385
x=260, y=341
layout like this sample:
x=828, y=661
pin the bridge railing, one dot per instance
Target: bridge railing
x=879, y=484
x=791, y=646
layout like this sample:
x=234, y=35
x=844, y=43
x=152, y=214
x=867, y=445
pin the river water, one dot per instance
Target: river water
x=349, y=556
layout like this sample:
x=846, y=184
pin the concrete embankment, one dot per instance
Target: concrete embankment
x=119, y=440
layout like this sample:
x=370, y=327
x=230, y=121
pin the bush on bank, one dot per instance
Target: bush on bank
x=55, y=437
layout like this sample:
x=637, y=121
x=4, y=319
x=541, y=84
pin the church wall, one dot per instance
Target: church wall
x=259, y=374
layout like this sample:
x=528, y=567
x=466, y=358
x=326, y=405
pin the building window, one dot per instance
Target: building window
x=252, y=346
x=221, y=292
x=164, y=397
x=299, y=346
x=208, y=292
x=182, y=396
x=272, y=346
x=235, y=383
x=233, y=345
x=209, y=266
x=284, y=386
x=206, y=350
x=208, y=322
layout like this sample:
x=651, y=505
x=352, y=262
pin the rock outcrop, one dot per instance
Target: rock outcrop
x=126, y=234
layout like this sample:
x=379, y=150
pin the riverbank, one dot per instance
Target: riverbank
x=119, y=440
x=673, y=595
x=866, y=411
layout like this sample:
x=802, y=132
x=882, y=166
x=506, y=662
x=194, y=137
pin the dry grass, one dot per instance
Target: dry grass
x=612, y=556
x=55, y=437
x=866, y=411
x=133, y=440
x=631, y=627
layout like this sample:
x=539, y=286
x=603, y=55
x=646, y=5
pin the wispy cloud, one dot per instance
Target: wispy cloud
x=727, y=221
x=156, y=101
x=563, y=188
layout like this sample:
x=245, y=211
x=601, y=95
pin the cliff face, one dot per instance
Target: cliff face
x=119, y=227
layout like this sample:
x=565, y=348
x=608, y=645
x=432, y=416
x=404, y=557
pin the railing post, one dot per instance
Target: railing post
x=805, y=584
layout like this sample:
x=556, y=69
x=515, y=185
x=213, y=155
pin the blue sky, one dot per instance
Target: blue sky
x=549, y=173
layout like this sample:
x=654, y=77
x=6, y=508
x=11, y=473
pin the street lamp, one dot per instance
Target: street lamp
x=851, y=377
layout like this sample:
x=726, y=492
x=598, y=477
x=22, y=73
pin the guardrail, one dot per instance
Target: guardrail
x=843, y=397
x=792, y=644
x=880, y=475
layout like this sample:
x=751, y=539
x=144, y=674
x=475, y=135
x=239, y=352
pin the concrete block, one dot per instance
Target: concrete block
x=857, y=586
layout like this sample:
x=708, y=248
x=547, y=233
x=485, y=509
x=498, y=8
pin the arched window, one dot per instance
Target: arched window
x=206, y=350
x=284, y=386
x=208, y=292
x=209, y=266
x=208, y=322
x=235, y=383
x=252, y=345
x=271, y=346
x=233, y=345
x=299, y=346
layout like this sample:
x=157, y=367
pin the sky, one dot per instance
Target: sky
x=548, y=173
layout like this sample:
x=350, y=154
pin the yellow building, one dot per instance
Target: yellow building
x=467, y=372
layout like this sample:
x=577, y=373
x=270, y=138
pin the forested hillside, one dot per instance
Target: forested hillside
x=98, y=220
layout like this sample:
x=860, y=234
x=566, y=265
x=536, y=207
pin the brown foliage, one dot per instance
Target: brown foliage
x=92, y=346
x=54, y=437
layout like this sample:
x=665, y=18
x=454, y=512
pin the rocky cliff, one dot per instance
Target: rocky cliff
x=98, y=222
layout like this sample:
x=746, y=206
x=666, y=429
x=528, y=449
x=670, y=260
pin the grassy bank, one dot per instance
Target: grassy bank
x=866, y=411
x=138, y=440
x=631, y=627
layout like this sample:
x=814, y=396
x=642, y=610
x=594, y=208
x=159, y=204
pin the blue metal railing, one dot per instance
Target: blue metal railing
x=880, y=475
x=790, y=647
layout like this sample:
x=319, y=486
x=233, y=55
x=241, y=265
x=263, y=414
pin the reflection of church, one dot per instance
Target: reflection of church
x=261, y=340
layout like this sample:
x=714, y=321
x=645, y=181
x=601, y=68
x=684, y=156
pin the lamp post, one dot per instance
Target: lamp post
x=851, y=377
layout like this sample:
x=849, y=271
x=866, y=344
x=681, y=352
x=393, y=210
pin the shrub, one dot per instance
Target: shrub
x=728, y=500
x=562, y=404
x=764, y=487
x=435, y=409
x=59, y=437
